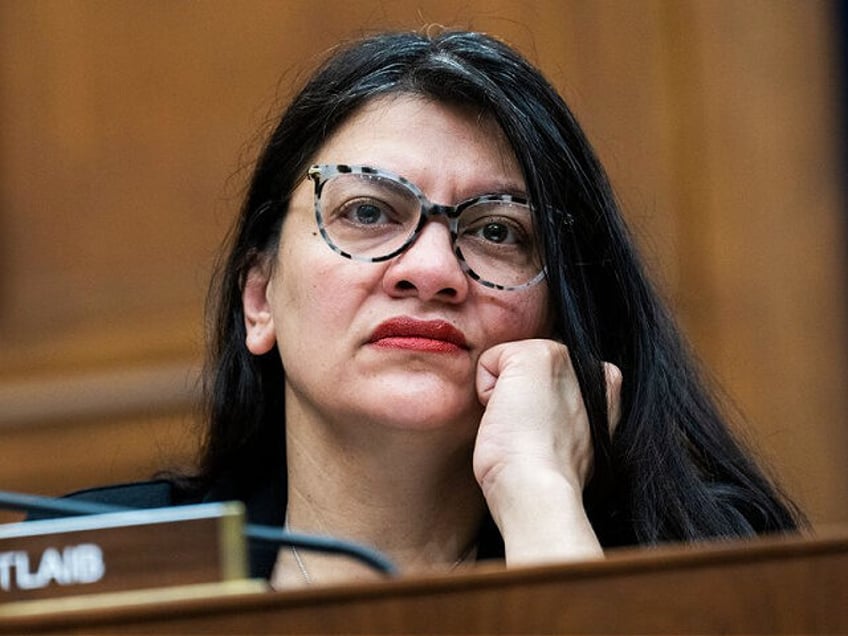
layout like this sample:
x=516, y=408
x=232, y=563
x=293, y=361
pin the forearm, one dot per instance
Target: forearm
x=541, y=518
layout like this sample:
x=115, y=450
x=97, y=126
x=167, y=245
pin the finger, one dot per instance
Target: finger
x=614, y=380
x=488, y=371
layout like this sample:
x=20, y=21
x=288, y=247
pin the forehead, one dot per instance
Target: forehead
x=423, y=139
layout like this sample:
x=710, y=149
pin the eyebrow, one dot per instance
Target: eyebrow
x=506, y=186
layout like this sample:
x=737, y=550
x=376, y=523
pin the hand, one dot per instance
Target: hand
x=533, y=454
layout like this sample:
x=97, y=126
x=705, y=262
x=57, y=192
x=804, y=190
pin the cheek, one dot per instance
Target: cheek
x=303, y=271
x=524, y=316
x=306, y=298
x=317, y=294
x=535, y=311
x=545, y=313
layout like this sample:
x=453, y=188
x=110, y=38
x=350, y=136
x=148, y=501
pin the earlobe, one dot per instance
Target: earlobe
x=258, y=318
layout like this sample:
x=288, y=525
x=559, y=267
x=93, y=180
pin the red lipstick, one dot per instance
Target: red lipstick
x=403, y=332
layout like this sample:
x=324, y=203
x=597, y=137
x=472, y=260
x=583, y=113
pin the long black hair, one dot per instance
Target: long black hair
x=672, y=470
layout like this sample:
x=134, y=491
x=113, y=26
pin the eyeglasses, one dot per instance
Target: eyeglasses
x=371, y=215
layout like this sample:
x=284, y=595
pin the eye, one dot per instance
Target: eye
x=366, y=211
x=497, y=222
x=496, y=230
x=497, y=233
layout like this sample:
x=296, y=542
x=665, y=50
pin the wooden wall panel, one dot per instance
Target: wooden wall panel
x=129, y=127
x=763, y=290
x=72, y=454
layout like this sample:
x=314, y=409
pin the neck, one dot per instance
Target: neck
x=410, y=494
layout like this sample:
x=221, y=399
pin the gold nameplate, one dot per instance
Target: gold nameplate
x=120, y=551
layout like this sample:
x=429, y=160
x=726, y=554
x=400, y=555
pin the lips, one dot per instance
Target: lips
x=437, y=336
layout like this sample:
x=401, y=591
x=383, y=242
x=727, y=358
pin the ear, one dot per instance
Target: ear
x=258, y=318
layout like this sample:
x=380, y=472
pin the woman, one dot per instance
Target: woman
x=406, y=405
x=432, y=334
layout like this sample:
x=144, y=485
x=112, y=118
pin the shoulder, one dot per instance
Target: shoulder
x=159, y=493
x=143, y=494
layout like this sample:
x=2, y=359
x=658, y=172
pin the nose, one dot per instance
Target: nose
x=428, y=269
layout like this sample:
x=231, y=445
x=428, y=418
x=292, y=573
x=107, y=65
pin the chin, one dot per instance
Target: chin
x=429, y=414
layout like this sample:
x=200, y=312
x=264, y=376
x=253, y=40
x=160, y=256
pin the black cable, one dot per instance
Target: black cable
x=65, y=507
x=321, y=544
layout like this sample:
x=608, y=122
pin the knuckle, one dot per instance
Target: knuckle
x=552, y=351
x=614, y=376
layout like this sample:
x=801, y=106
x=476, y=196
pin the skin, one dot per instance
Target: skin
x=404, y=448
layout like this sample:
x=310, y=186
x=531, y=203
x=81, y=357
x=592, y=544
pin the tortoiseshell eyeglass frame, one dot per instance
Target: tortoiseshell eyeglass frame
x=321, y=174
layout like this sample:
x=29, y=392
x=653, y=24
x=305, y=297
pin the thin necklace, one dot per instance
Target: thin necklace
x=301, y=565
x=308, y=578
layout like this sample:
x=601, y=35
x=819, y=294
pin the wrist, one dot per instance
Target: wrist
x=540, y=515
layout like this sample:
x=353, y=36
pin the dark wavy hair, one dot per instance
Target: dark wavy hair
x=672, y=470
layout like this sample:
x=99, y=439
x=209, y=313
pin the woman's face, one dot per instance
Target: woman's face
x=393, y=342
